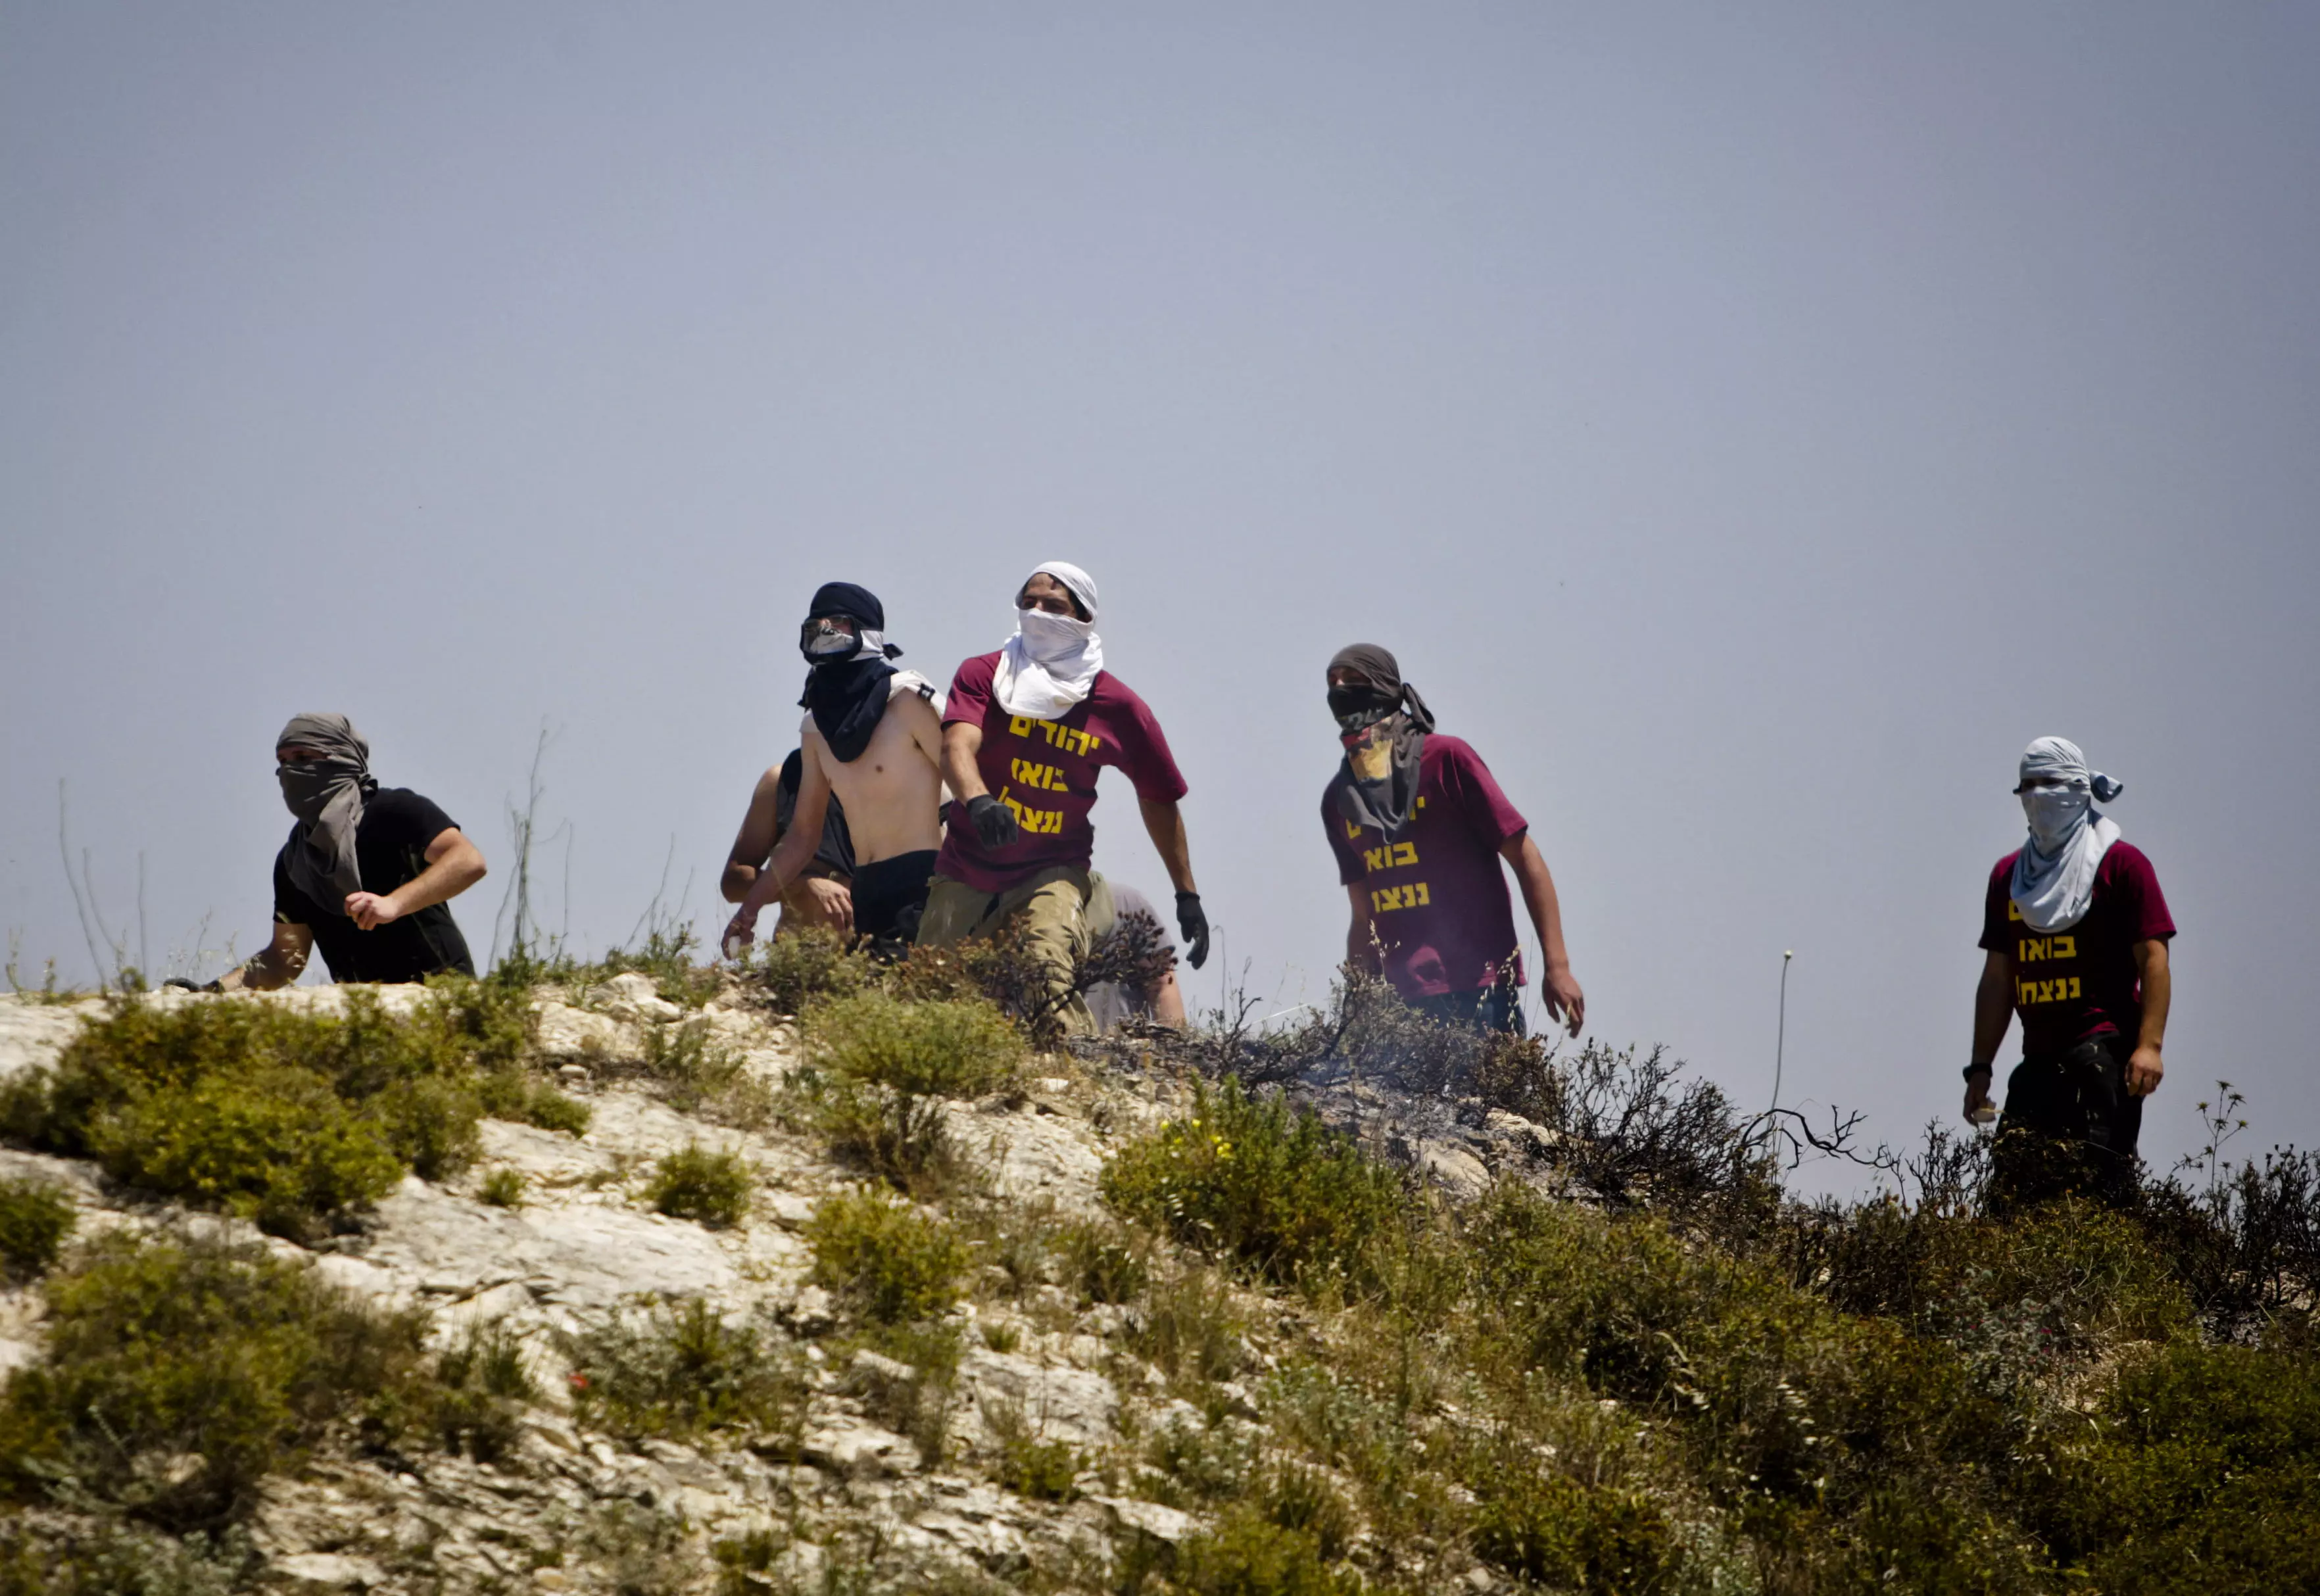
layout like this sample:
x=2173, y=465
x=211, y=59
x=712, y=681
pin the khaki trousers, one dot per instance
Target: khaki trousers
x=1063, y=909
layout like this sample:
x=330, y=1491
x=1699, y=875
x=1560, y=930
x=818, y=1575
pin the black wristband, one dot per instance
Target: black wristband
x=1972, y=1070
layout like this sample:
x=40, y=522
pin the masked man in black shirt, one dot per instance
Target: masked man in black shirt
x=368, y=871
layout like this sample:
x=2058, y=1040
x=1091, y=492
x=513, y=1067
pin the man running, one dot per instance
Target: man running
x=2075, y=935
x=872, y=735
x=1027, y=729
x=367, y=873
x=1419, y=826
x=821, y=894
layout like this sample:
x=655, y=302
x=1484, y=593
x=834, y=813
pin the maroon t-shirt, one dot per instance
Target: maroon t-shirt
x=2069, y=985
x=1044, y=771
x=1436, y=891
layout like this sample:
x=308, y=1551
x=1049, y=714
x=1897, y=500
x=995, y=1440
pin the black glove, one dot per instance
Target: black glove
x=995, y=822
x=1194, y=923
x=182, y=985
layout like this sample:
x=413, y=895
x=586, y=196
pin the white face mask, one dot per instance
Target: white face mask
x=2054, y=812
x=1050, y=638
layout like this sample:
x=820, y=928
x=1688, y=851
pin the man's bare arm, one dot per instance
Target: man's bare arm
x=279, y=963
x=1360, y=942
x=962, y=740
x=454, y=865
x=791, y=855
x=759, y=831
x=1993, y=1010
x=2144, y=1068
x=1565, y=1000
x=1164, y=818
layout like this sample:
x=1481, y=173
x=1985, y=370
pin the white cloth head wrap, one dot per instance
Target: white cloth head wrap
x=2053, y=881
x=1051, y=662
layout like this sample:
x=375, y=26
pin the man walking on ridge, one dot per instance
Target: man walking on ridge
x=1419, y=826
x=2075, y=933
x=369, y=872
x=1027, y=731
x=873, y=736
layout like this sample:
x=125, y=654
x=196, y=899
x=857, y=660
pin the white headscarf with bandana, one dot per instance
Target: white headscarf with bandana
x=1051, y=662
x=2053, y=881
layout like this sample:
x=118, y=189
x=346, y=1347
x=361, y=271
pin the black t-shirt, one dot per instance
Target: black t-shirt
x=836, y=852
x=390, y=849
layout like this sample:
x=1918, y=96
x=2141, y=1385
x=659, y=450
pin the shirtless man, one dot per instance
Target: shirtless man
x=874, y=736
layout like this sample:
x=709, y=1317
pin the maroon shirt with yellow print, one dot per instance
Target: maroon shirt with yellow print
x=1436, y=891
x=1044, y=771
x=2069, y=985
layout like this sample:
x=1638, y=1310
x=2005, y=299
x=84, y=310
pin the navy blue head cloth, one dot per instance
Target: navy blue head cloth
x=856, y=603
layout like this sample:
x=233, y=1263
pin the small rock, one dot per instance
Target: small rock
x=1146, y=1518
x=862, y=1452
x=575, y=1075
x=809, y=1314
x=329, y=1570
x=875, y=1371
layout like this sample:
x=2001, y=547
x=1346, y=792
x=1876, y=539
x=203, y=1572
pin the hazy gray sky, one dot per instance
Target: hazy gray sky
x=1750, y=425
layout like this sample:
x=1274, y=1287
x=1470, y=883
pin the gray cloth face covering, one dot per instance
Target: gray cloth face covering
x=327, y=796
x=2053, y=880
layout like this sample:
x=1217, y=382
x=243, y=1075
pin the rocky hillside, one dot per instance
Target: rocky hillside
x=623, y=1282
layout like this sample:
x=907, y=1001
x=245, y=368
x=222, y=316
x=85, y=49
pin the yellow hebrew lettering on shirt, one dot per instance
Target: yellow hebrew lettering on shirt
x=1039, y=822
x=1405, y=853
x=1373, y=858
x=2074, y=986
x=1352, y=832
x=1021, y=725
x=2065, y=947
x=1032, y=774
x=1424, y=897
x=2031, y=949
x=2013, y=909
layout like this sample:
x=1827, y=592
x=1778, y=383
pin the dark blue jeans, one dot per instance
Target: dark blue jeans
x=2070, y=1125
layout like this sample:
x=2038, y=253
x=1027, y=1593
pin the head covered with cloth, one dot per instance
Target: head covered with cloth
x=325, y=787
x=1382, y=723
x=2053, y=883
x=847, y=678
x=1051, y=661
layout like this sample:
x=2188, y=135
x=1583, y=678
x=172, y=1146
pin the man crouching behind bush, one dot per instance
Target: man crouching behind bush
x=368, y=871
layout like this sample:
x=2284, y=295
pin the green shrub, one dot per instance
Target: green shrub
x=290, y=1118
x=957, y=1049
x=904, y=1140
x=797, y=968
x=1042, y=1470
x=681, y=1370
x=701, y=1076
x=890, y=1263
x=1101, y=1264
x=35, y=1219
x=1304, y=1500
x=712, y=1188
x=1243, y=1177
x=1248, y=1555
x=502, y=1188
x=481, y=1386
x=1556, y=1531
x=177, y=1374
x=2197, y=1478
x=113, y=1559
x=1187, y=1327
